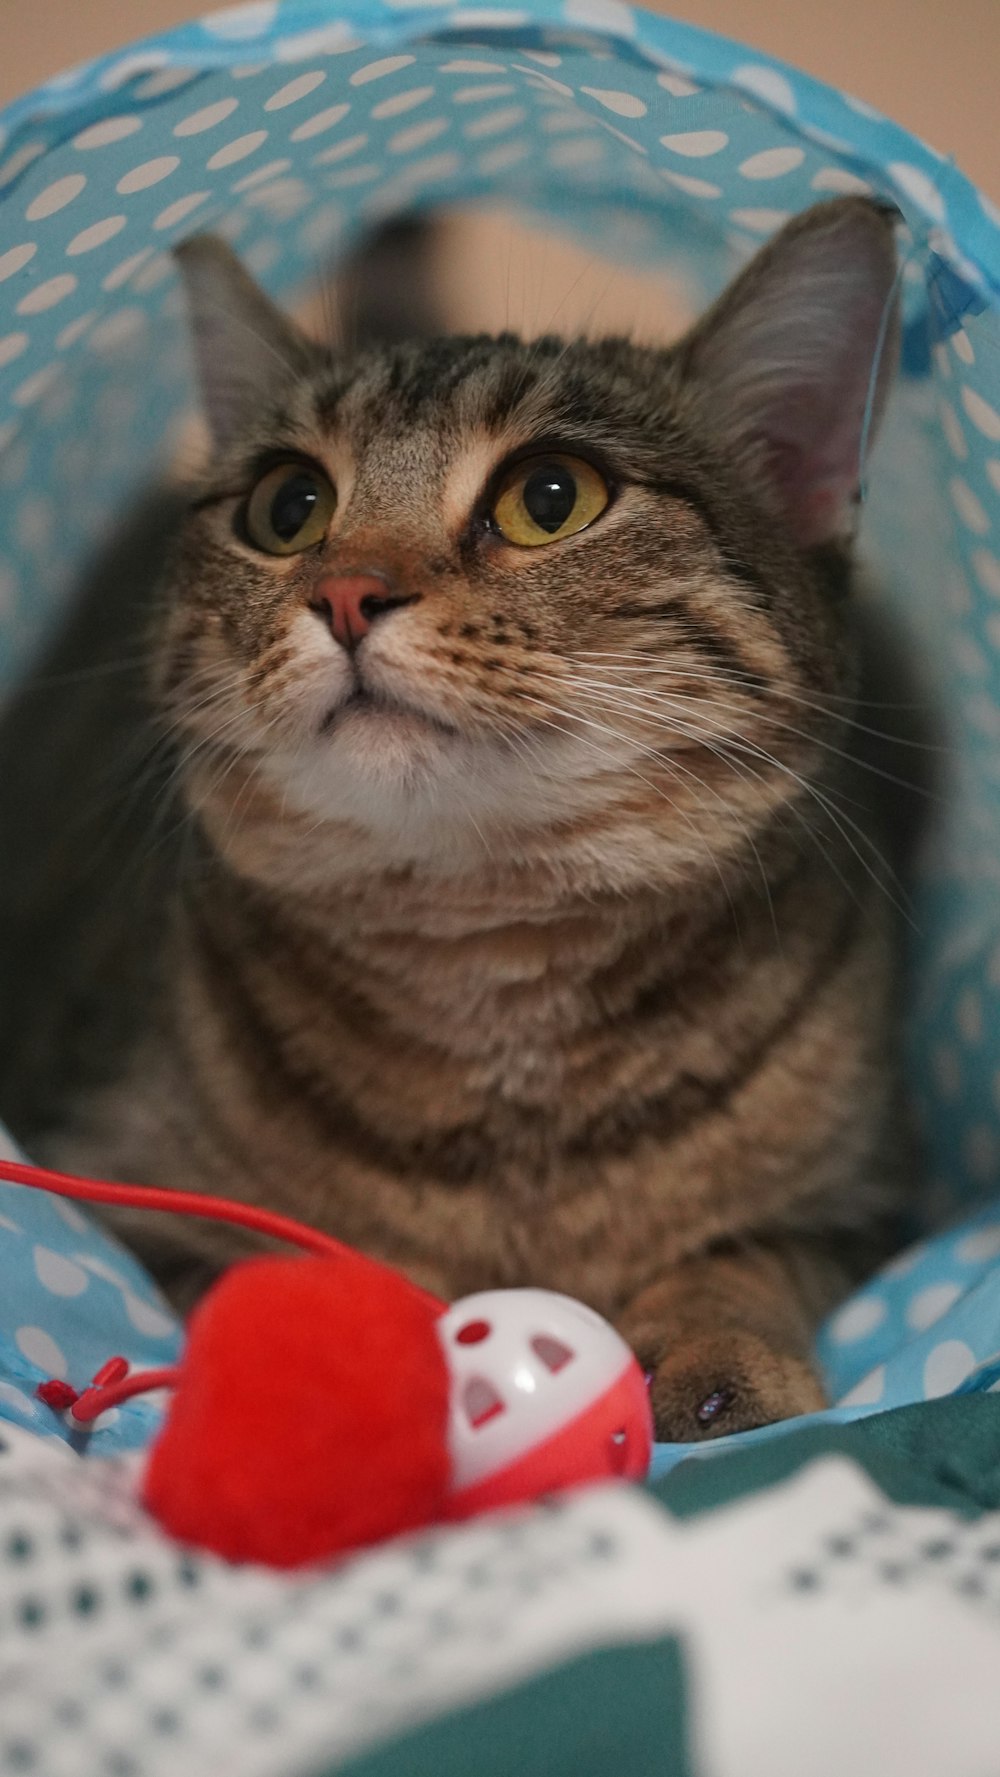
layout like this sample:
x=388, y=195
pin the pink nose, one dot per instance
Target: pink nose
x=351, y=603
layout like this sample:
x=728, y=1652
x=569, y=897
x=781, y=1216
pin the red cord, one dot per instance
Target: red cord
x=115, y=1370
x=97, y=1398
x=191, y=1203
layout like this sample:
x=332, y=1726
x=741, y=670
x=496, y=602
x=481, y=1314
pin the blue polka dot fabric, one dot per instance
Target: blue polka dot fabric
x=70, y=1298
x=291, y=129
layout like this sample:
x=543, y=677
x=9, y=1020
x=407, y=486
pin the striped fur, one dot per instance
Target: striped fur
x=565, y=958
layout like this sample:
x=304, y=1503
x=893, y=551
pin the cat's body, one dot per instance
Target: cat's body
x=521, y=930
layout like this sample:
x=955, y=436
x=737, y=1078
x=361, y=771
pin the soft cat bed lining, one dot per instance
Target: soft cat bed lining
x=290, y=129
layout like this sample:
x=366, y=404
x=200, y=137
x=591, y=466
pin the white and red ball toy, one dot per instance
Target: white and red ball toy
x=544, y=1394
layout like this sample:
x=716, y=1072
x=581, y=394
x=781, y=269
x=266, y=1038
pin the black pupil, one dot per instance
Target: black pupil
x=292, y=505
x=549, y=496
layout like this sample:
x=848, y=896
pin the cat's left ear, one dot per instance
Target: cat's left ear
x=247, y=352
x=794, y=362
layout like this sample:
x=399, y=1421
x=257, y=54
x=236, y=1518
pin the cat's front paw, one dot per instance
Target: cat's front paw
x=726, y=1382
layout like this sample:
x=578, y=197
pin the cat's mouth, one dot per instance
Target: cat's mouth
x=365, y=705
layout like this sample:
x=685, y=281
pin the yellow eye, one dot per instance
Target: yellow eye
x=543, y=499
x=289, y=509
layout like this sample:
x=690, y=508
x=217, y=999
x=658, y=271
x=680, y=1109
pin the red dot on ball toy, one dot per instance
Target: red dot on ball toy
x=309, y=1417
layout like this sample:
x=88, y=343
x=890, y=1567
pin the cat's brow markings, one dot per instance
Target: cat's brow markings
x=467, y=476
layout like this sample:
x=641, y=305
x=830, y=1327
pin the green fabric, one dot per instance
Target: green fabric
x=623, y=1710
x=619, y=1712
x=935, y=1453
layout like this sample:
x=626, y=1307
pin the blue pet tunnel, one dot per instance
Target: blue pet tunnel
x=291, y=129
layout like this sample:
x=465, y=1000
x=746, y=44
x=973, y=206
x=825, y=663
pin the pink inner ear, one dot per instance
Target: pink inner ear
x=799, y=350
x=822, y=516
x=816, y=473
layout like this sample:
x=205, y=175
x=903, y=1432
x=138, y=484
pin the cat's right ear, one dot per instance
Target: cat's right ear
x=793, y=363
x=247, y=352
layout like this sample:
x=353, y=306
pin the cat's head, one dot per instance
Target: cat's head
x=458, y=595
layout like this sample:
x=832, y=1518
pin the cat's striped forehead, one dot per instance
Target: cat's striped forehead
x=482, y=380
x=446, y=395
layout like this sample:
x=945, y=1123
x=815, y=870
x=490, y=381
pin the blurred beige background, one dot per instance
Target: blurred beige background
x=933, y=65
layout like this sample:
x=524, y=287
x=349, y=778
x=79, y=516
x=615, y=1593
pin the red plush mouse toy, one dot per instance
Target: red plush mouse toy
x=325, y=1402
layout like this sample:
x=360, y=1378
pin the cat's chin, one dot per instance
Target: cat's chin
x=375, y=763
x=421, y=789
x=376, y=720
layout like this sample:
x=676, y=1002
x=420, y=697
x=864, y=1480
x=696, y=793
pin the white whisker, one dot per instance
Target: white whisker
x=693, y=706
x=723, y=747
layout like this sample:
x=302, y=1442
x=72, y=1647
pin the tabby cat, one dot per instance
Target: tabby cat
x=520, y=924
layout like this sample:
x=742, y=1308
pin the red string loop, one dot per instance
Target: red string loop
x=97, y=1399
